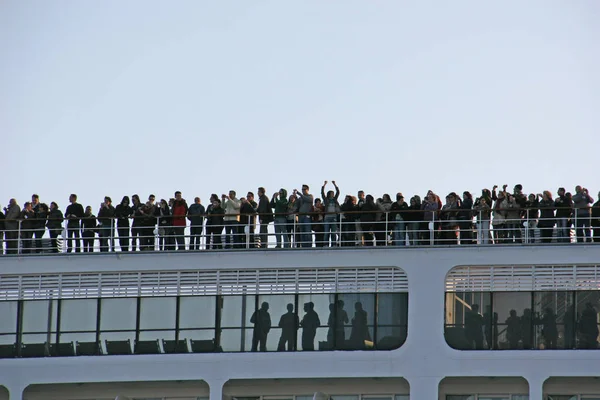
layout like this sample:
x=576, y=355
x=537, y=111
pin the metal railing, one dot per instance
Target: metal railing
x=308, y=230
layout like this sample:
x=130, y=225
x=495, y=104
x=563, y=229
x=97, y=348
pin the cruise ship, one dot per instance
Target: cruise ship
x=360, y=323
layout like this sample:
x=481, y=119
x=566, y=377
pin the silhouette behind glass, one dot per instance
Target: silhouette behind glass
x=341, y=319
x=262, y=325
x=310, y=323
x=527, y=329
x=473, y=328
x=549, y=330
x=360, y=330
x=490, y=321
x=289, y=326
x=588, y=327
x=513, y=330
x=569, y=321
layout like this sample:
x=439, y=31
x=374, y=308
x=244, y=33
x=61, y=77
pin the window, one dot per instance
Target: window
x=78, y=320
x=157, y=318
x=522, y=320
x=39, y=321
x=8, y=316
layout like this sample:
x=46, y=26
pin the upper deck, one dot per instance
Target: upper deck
x=144, y=286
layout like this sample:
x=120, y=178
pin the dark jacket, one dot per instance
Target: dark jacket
x=265, y=213
x=596, y=213
x=546, y=214
x=28, y=218
x=368, y=213
x=398, y=211
x=40, y=217
x=532, y=209
x=55, y=220
x=280, y=204
x=196, y=214
x=74, y=213
x=414, y=214
x=106, y=215
x=214, y=216
x=164, y=216
x=564, y=207
x=466, y=210
x=349, y=211
x=123, y=212
x=89, y=223
x=248, y=213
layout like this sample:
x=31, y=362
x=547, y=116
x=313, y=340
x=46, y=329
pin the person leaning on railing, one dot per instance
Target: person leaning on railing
x=349, y=217
x=89, y=227
x=123, y=212
x=54, y=225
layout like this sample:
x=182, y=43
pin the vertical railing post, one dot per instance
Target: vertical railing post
x=527, y=227
x=387, y=229
x=19, y=244
x=295, y=235
x=158, y=236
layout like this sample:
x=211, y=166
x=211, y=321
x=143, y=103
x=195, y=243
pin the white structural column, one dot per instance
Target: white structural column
x=215, y=386
x=15, y=390
x=423, y=387
x=536, y=387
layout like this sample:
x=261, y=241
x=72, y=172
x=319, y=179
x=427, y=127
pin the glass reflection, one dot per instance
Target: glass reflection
x=148, y=325
x=80, y=323
x=523, y=320
x=157, y=318
x=8, y=326
x=392, y=320
x=39, y=321
x=197, y=318
x=118, y=319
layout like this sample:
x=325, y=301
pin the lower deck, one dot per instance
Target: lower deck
x=449, y=388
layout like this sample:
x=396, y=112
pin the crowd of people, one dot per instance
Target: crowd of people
x=301, y=220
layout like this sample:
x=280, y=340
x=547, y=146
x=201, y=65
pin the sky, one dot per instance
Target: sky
x=115, y=98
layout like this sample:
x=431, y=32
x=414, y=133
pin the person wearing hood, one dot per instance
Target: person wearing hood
x=279, y=203
x=123, y=212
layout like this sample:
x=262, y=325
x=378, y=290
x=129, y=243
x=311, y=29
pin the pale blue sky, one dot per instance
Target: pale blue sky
x=122, y=97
